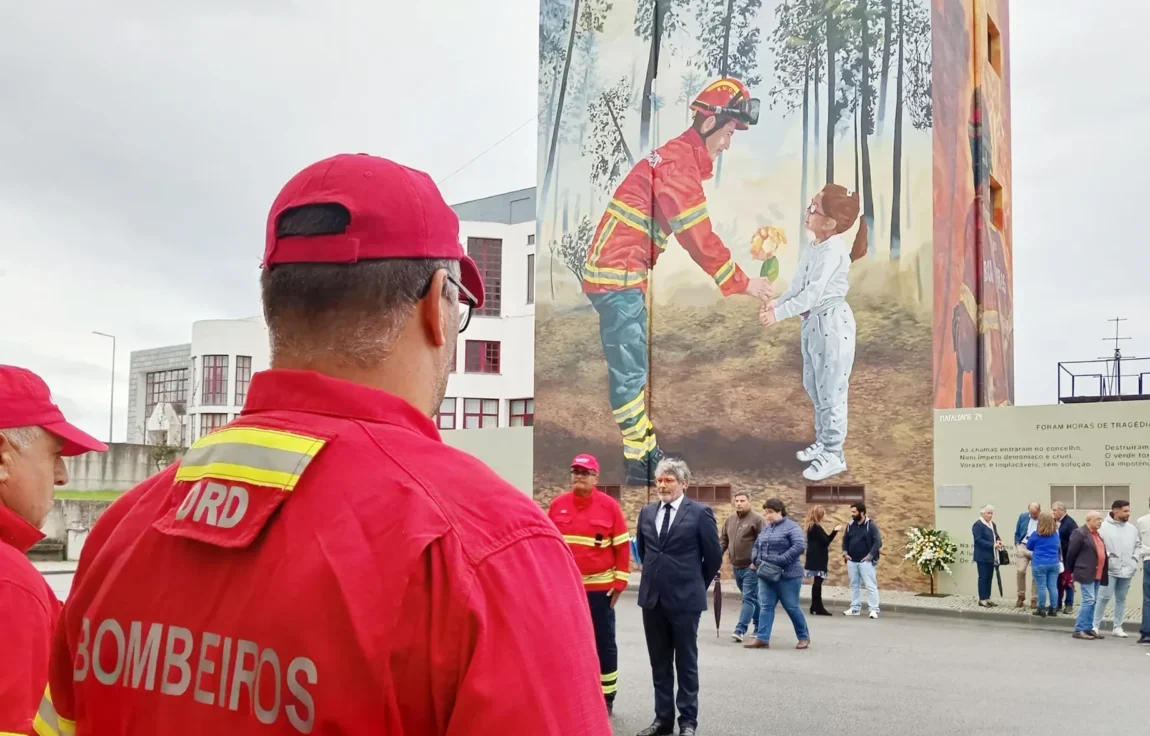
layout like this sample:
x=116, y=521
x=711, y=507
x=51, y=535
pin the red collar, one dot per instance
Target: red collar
x=16, y=532
x=702, y=156
x=314, y=393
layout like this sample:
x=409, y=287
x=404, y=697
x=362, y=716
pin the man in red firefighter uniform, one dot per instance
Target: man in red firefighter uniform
x=325, y=563
x=662, y=195
x=593, y=526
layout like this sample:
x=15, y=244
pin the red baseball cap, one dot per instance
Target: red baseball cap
x=396, y=212
x=586, y=462
x=26, y=401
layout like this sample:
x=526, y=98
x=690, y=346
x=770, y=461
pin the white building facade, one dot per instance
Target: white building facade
x=182, y=392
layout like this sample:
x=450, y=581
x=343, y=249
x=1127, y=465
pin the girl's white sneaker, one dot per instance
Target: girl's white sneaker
x=810, y=453
x=824, y=466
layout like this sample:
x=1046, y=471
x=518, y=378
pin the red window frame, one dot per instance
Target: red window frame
x=165, y=387
x=243, y=378
x=211, y=422
x=482, y=356
x=488, y=256
x=444, y=420
x=521, y=413
x=214, y=386
x=487, y=415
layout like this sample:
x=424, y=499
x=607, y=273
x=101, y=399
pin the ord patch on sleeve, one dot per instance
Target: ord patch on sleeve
x=231, y=481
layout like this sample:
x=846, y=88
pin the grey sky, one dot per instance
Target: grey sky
x=141, y=144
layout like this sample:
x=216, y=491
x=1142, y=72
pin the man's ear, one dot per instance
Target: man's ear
x=709, y=125
x=7, y=458
x=431, y=310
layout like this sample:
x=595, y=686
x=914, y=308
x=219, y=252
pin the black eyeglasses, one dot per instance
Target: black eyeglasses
x=467, y=300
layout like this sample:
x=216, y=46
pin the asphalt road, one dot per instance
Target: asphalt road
x=905, y=674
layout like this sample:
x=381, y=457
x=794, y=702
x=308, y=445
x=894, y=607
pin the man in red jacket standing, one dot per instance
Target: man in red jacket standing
x=662, y=195
x=325, y=563
x=593, y=526
x=34, y=439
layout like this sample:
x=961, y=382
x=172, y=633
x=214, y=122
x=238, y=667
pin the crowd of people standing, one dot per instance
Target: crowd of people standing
x=1054, y=553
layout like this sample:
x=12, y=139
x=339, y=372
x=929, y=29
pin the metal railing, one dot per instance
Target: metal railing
x=1105, y=379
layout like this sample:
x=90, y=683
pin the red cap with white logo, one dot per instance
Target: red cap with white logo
x=585, y=462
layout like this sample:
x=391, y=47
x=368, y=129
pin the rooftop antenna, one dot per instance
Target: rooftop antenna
x=1113, y=381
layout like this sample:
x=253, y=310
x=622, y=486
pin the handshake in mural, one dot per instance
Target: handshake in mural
x=766, y=242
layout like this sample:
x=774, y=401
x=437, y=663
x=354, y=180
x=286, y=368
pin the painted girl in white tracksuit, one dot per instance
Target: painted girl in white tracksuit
x=817, y=294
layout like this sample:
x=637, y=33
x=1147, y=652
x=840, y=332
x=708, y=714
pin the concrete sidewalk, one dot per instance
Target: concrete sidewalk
x=837, y=599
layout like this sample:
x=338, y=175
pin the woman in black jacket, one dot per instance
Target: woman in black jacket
x=818, y=546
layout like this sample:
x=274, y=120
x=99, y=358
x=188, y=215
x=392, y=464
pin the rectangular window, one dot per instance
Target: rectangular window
x=445, y=417
x=211, y=422
x=1089, y=497
x=482, y=356
x=615, y=492
x=531, y=278
x=710, y=495
x=1115, y=493
x=993, y=45
x=488, y=255
x=165, y=387
x=531, y=239
x=522, y=413
x=835, y=495
x=1063, y=494
x=214, y=391
x=480, y=413
x=243, y=378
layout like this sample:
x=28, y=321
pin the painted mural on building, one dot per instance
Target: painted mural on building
x=706, y=171
x=974, y=298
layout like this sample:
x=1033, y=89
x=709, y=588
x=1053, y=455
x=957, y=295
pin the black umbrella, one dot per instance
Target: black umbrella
x=717, y=603
x=998, y=574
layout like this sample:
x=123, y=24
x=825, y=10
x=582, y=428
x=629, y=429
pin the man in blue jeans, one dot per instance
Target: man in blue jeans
x=738, y=539
x=861, y=545
x=1144, y=531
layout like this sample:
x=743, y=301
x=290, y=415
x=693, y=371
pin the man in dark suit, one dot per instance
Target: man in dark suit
x=678, y=542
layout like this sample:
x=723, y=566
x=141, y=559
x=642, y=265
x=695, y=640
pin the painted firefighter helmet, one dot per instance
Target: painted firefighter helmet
x=728, y=97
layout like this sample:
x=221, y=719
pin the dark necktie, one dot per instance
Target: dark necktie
x=666, y=521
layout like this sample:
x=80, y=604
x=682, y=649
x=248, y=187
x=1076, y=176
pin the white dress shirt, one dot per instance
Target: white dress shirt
x=663, y=509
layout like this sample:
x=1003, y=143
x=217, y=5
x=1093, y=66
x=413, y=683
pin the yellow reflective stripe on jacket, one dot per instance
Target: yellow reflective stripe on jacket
x=263, y=457
x=636, y=220
x=689, y=217
x=989, y=321
x=604, y=236
x=613, y=276
x=48, y=722
x=725, y=272
x=581, y=541
x=624, y=538
x=624, y=576
x=599, y=578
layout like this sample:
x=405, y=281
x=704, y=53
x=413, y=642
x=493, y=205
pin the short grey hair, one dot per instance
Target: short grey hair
x=350, y=312
x=986, y=508
x=675, y=468
x=22, y=437
x=1034, y=503
x=1058, y=505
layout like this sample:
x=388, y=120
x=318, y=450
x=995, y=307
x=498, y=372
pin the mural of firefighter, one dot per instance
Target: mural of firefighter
x=661, y=196
x=654, y=148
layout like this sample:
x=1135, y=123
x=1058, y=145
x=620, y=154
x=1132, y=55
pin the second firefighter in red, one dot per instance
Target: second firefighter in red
x=593, y=526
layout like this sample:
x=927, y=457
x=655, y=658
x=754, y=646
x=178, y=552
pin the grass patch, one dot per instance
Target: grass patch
x=88, y=495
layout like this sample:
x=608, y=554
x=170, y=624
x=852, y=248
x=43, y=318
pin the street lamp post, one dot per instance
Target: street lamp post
x=112, y=393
